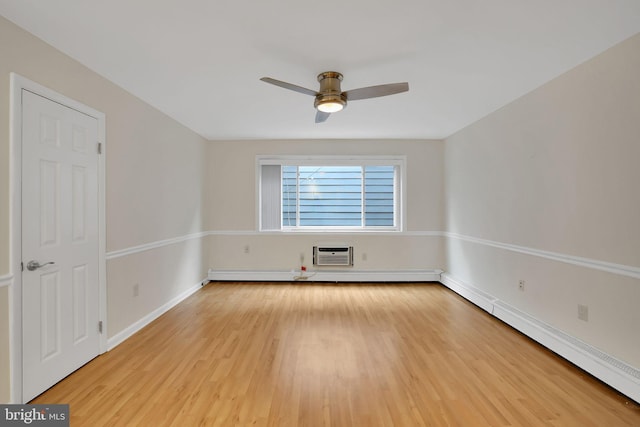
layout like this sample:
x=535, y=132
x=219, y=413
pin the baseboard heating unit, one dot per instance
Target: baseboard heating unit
x=326, y=274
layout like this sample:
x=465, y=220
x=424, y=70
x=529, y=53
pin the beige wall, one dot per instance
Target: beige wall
x=556, y=170
x=233, y=213
x=155, y=170
x=4, y=340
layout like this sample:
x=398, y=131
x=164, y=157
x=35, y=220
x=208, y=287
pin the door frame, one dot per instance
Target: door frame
x=18, y=84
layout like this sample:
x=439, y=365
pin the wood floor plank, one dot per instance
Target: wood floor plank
x=304, y=354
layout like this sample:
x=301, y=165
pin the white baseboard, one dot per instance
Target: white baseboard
x=121, y=336
x=326, y=276
x=614, y=372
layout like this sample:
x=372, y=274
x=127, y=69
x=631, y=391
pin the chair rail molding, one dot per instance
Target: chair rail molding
x=610, y=267
x=155, y=245
x=6, y=280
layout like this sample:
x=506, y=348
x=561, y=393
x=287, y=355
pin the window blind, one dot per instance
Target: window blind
x=270, y=193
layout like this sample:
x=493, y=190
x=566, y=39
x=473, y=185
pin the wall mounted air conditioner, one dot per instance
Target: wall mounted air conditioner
x=333, y=255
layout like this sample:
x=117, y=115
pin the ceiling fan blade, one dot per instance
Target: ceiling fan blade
x=289, y=86
x=376, y=91
x=321, y=116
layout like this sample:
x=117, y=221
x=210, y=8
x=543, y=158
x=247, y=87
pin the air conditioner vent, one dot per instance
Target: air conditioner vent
x=333, y=255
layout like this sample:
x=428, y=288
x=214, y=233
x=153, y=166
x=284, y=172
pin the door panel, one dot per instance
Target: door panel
x=50, y=315
x=79, y=203
x=80, y=303
x=49, y=197
x=60, y=301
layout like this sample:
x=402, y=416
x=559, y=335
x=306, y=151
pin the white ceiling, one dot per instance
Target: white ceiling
x=199, y=61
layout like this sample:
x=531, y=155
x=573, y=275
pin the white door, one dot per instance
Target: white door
x=60, y=246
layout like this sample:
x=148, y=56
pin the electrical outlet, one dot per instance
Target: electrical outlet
x=136, y=289
x=583, y=312
x=364, y=256
x=521, y=285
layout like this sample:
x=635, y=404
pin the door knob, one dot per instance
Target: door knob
x=34, y=265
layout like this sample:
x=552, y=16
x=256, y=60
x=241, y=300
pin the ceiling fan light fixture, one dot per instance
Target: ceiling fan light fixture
x=330, y=107
x=330, y=103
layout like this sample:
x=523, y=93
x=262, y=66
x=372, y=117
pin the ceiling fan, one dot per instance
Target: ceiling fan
x=331, y=99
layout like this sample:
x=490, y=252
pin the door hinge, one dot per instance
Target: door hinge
x=21, y=266
x=99, y=147
x=100, y=326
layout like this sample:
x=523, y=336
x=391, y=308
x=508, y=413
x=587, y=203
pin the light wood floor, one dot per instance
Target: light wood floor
x=238, y=354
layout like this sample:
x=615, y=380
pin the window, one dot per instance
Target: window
x=330, y=193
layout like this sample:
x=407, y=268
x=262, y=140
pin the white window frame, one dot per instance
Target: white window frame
x=398, y=161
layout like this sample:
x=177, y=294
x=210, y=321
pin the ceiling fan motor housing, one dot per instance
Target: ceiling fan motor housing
x=330, y=91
